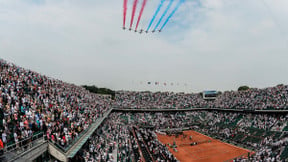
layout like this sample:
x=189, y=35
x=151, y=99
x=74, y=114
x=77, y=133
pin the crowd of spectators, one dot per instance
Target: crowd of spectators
x=158, y=151
x=149, y=100
x=103, y=142
x=31, y=103
x=118, y=139
x=268, y=98
x=134, y=134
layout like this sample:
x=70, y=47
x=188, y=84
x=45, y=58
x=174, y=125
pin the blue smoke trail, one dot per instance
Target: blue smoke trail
x=155, y=14
x=172, y=13
x=164, y=14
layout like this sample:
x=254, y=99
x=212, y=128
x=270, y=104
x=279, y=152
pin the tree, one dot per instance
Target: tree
x=105, y=91
x=243, y=88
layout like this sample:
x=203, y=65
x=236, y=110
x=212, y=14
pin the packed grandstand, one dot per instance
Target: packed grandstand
x=31, y=103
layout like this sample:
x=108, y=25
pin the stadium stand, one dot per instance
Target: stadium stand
x=31, y=103
x=273, y=98
x=68, y=123
x=266, y=143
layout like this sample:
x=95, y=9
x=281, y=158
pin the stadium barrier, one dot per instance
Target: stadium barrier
x=65, y=149
x=27, y=149
x=24, y=144
x=254, y=111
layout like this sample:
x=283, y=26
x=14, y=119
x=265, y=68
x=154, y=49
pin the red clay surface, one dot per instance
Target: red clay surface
x=214, y=151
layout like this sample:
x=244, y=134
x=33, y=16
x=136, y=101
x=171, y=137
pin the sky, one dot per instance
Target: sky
x=207, y=45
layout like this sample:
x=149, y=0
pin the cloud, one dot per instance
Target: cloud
x=208, y=44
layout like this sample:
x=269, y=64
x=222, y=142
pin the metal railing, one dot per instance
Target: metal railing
x=69, y=145
x=251, y=110
x=75, y=140
x=25, y=143
x=15, y=151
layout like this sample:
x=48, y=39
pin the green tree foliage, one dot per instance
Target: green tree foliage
x=243, y=88
x=104, y=91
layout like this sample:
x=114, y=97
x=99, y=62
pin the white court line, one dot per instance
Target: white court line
x=226, y=143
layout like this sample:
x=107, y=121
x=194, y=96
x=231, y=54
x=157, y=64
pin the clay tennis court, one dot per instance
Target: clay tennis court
x=208, y=151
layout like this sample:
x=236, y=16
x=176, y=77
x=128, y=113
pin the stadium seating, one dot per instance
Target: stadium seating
x=31, y=103
x=272, y=98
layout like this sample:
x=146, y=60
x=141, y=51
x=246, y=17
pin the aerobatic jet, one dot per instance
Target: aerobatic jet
x=141, y=31
x=124, y=28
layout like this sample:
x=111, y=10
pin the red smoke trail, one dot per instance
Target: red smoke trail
x=124, y=12
x=133, y=12
x=140, y=14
